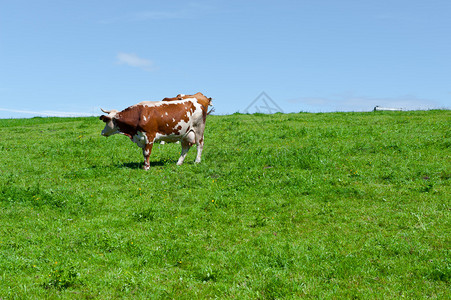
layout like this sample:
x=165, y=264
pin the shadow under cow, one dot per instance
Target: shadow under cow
x=139, y=165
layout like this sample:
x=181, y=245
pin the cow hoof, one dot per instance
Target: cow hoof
x=179, y=163
x=146, y=168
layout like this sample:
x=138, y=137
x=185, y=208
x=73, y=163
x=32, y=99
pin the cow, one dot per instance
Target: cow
x=153, y=121
x=198, y=96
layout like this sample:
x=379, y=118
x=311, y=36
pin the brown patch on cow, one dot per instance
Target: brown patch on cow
x=128, y=120
x=171, y=99
x=131, y=120
x=156, y=118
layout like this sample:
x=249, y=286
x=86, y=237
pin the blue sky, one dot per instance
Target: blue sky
x=73, y=57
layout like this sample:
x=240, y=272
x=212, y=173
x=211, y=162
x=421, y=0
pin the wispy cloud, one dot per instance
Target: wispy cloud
x=134, y=60
x=47, y=113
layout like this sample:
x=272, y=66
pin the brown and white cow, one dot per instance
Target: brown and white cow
x=198, y=96
x=148, y=122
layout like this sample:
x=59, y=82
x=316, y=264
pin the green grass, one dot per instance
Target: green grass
x=336, y=205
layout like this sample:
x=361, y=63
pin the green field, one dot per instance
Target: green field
x=332, y=206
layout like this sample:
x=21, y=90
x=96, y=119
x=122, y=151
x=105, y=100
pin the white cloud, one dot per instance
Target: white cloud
x=134, y=60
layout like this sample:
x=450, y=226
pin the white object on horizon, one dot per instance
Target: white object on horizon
x=378, y=108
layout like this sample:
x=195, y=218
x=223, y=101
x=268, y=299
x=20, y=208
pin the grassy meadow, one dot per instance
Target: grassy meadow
x=283, y=206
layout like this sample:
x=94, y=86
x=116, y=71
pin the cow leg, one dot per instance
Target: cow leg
x=187, y=142
x=185, y=148
x=200, y=147
x=146, y=152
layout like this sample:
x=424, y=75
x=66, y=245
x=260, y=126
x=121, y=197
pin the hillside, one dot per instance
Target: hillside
x=336, y=205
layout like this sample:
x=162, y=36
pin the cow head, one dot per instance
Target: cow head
x=110, y=126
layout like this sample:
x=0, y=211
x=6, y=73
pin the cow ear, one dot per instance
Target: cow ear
x=105, y=119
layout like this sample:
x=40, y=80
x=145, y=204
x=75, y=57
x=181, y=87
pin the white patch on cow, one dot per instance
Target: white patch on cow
x=184, y=126
x=190, y=137
x=182, y=95
x=173, y=120
x=171, y=138
x=144, y=117
x=193, y=118
x=163, y=103
x=151, y=103
x=140, y=139
x=166, y=113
